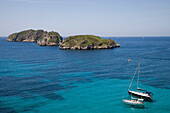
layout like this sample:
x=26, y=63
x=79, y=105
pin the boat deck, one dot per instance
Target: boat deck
x=140, y=93
x=133, y=101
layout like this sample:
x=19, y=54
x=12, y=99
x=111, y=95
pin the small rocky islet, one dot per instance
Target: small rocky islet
x=43, y=38
x=86, y=42
x=78, y=42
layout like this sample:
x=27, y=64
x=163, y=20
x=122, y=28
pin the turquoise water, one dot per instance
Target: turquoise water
x=46, y=79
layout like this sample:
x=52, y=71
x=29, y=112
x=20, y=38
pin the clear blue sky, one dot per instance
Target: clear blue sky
x=98, y=17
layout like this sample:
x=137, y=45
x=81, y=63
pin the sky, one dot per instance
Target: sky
x=97, y=17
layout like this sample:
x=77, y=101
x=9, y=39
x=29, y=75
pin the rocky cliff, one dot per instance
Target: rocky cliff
x=42, y=37
x=85, y=42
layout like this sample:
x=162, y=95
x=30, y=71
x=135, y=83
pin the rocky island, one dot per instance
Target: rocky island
x=78, y=42
x=86, y=42
x=43, y=38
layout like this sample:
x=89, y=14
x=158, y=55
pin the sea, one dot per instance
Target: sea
x=41, y=79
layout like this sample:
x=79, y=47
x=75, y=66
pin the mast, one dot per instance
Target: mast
x=131, y=87
x=138, y=75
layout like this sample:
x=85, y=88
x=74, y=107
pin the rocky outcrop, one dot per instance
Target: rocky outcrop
x=42, y=37
x=86, y=42
x=51, y=39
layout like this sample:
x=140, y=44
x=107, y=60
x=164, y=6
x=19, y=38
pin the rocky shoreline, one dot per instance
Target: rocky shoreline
x=43, y=43
x=89, y=47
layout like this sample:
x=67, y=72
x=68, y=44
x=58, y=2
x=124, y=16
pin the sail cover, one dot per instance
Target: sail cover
x=141, y=89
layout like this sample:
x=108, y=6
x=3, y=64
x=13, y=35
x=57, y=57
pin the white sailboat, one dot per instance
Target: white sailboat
x=136, y=102
x=140, y=93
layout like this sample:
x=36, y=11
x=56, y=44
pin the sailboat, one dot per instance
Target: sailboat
x=136, y=102
x=140, y=93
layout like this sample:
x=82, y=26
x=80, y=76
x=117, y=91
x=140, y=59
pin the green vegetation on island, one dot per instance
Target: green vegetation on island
x=85, y=42
x=81, y=42
x=42, y=37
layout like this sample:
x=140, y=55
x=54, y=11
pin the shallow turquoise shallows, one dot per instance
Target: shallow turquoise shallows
x=49, y=80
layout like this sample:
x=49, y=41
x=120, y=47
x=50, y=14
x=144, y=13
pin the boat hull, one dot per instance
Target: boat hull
x=145, y=96
x=134, y=103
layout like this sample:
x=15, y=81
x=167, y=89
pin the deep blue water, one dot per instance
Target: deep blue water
x=46, y=79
